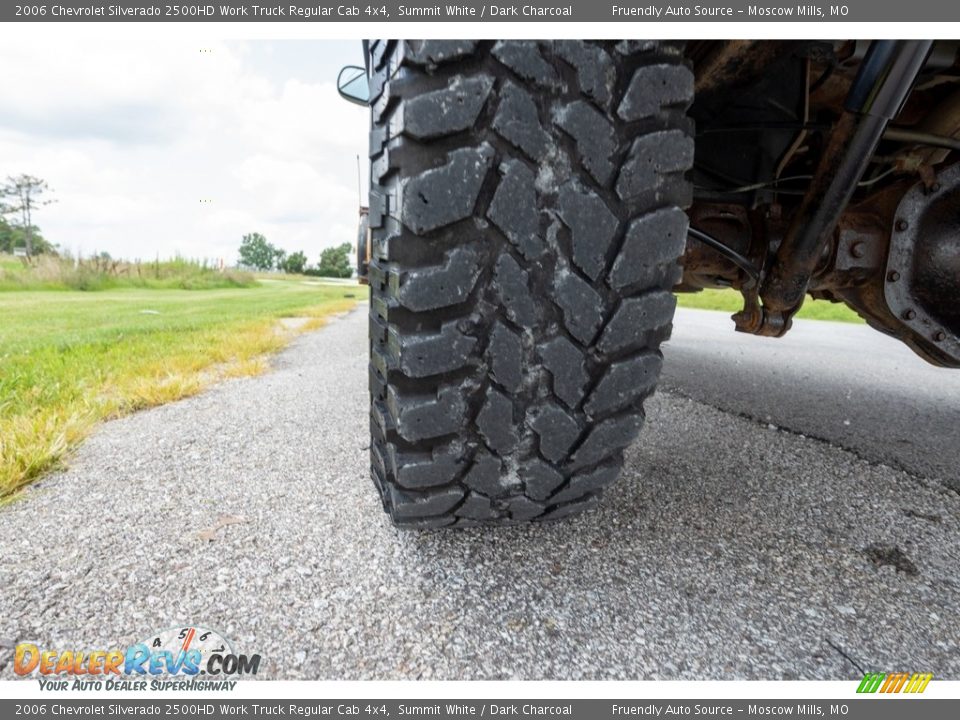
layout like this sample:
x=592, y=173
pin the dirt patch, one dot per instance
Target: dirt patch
x=294, y=323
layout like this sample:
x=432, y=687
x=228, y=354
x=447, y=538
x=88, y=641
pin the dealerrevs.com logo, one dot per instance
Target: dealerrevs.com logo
x=185, y=658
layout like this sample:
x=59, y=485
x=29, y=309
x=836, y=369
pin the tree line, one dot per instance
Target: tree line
x=22, y=195
x=258, y=253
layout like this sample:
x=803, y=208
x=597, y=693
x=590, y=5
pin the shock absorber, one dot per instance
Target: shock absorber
x=882, y=85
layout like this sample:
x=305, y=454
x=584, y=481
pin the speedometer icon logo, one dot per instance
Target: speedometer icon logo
x=185, y=639
x=192, y=650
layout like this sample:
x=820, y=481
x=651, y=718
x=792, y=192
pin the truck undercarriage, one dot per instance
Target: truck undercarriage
x=829, y=168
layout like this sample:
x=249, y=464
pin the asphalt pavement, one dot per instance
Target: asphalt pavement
x=847, y=384
x=756, y=533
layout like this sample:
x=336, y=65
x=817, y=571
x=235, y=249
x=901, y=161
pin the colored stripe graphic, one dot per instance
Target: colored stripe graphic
x=871, y=682
x=894, y=682
x=918, y=683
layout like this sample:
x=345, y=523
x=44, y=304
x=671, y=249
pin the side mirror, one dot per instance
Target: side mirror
x=353, y=86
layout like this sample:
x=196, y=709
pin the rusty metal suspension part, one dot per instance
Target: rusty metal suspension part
x=882, y=85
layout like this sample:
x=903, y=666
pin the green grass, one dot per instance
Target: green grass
x=731, y=301
x=10, y=264
x=70, y=359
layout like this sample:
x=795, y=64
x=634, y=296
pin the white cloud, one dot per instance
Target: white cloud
x=132, y=135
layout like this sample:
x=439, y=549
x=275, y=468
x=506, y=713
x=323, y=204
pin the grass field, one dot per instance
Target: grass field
x=51, y=272
x=70, y=359
x=731, y=301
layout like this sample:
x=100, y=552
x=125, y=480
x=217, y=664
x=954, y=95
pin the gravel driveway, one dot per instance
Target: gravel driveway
x=728, y=549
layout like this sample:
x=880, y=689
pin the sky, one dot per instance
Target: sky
x=166, y=147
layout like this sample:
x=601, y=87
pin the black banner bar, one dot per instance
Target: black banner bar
x=874, y=708
x=471, y=11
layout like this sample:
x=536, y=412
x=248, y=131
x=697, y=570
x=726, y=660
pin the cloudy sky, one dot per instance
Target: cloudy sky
x=132, y=136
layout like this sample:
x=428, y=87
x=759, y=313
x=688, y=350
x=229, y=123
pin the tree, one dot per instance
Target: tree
x=12, y=237
x=21, y=195
x=335, y=262
x=256, y=252
x=294, y=263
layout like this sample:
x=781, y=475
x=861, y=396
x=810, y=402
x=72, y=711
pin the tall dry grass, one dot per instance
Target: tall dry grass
x=51, y=272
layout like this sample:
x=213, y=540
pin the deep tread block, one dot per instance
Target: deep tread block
x=524, y=58
x=424, y=354
x=650, y=157
x=417, y=418
x=378, y=464
x=581, y=306
x=557, y=430
x=378, y=50
x=378, y=209
x=485, y=476
x=443, y=112
x=523, y=508
x=506, y=357
x=540, y=478
x=516, y=122
x=654, y=87
x=380, y=414
x=514, y=211
x=606, y=438
x=565, y=363
x=495, y=422
x=652, y=241
x=421, y=505
x=477, y=507
x=376, y=382
x=378, y=138
x=511, y=284
x=380, y=166
x=639, y=321
x=420, y=470
x=594, y=135
x=624, y=383
x=595, y=69
x=592, y=227
x=434, y=52
x=443, y=195
x=378, y=328
x=438, y=286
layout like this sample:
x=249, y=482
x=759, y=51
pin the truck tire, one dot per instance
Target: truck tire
x=526, y=213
